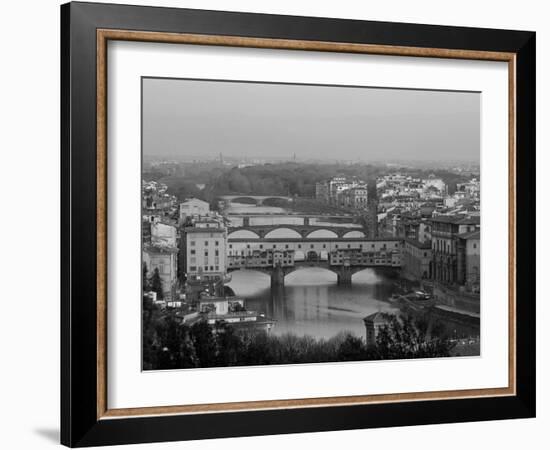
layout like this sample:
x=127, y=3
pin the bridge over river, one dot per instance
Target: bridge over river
x=258, y=200
x=280, y=256
x=282, y=243
x=251, y=219
x=303, y=231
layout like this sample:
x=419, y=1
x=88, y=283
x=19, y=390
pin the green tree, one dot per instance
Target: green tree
x=156, y=284
x=175, y=349
x=145, y=281
x=149, y=339
x=351, y=349
x=402, y=339
x=204, y=343
x=258, y=349
x=228, y=345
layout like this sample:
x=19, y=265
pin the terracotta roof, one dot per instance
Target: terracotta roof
x=470, y=235
x=418, y=244
x=457, y=219
x=160, y=249
x=218, y=229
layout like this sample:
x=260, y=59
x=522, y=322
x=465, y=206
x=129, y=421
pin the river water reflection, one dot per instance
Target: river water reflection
x=311, y=303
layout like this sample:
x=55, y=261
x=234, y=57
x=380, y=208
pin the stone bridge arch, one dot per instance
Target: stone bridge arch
x=282, y=232
x=352, y=234
x=276, y=201
x=243, y=233
x=322, y=233
x=246, y=199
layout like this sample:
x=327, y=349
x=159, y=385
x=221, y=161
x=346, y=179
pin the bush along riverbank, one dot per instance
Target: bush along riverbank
x=169, y=344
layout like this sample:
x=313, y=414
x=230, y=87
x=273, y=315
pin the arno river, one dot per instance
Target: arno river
x=311, y=303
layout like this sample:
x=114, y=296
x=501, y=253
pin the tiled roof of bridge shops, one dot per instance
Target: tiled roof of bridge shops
x=457, y=220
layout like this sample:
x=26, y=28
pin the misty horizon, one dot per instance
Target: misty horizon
x=283, y=160
x=198, y=119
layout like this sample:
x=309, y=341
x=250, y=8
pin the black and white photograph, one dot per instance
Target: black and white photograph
x=300, y=223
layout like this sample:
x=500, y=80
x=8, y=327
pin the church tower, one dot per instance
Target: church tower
x=372, y=210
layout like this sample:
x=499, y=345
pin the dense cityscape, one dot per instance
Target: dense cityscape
x=205, y=223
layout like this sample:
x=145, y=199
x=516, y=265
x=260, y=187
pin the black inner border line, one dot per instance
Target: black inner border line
x=291, y=83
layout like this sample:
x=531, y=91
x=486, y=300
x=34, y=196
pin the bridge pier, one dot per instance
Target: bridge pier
x=277, y=276
x=344, y=275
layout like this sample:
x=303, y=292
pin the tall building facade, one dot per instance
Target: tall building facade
x=355, y=197
x=447, y=250
x=417, y=259
x=193, y=207
x=322, y=192
x=469, y=254
x=164, y=259
x=205, y=251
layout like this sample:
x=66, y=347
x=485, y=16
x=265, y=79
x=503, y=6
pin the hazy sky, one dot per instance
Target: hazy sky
x=203, y=118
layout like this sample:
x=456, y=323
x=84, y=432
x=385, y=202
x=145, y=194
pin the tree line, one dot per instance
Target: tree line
x=286, y=178
x=169, y=344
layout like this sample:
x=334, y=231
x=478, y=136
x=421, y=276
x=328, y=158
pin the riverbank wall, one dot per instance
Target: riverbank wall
x=455, y=298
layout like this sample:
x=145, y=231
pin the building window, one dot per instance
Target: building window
x=261, y=246
x=311, y=246
x=206, y=242
x=286, y=246
x=217, y=243
x=475, y=245
x=206, y=253
x=217, y=252
x=193, y=268
x=230, y=245
x=193, y=252
x=192, y=243
x=299, y=245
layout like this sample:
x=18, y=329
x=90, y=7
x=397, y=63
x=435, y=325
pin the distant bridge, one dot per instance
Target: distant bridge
x=257, y=199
